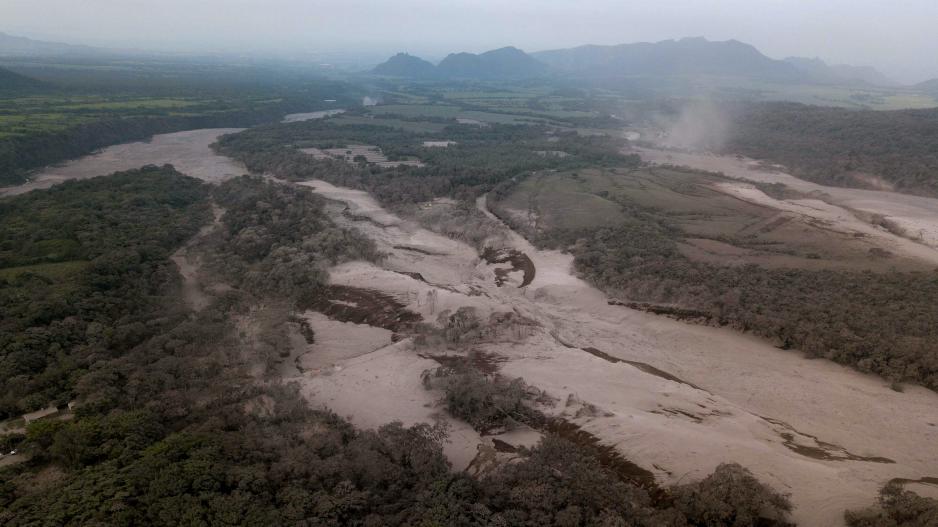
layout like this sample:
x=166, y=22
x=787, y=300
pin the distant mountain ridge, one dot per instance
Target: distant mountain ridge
x=404, y=65
x=10, y=80
x=824, y=72
x=929, y=86
x=687, y=56
x=667, y=58
x=502, y=63
x=507, y=62
x=13, y=46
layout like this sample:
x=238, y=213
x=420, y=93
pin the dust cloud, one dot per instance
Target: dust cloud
x=700, y=126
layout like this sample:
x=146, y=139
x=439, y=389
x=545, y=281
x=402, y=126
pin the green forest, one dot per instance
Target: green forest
x=171, y=428
x=841, y=147
x=163, y=413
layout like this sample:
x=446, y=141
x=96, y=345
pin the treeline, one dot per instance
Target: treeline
x=841, y=147
x=897, y=507
x=21, y=154
x=277, y=241
x=82, y=267
x=882, y=323
x=173, y=429
x=481, y=159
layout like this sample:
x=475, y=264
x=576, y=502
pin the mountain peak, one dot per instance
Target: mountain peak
x=10, y=80
x=405, y=65
x=687, y=56
x=503, y=63
x=839, y=73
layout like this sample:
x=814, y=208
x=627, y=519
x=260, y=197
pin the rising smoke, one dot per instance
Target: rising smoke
x=700, y=126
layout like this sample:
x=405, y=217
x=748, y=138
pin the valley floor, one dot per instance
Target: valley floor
x=675, y=398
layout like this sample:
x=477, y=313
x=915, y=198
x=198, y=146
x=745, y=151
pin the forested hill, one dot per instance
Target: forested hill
x=502, y=63
x=687, y=56
x=929, y=86
x=841, y=147
x=404, y=65
x=10, y=81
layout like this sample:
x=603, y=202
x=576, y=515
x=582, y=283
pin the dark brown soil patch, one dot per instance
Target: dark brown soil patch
x=679, y=313
x=608, y=457
x=647, y=368
x=676, y=411
x=416, y=276
x=824, y=451
x=501, y=446
x=486, y=363
x=363, y=306
x=417, y=250
x=927, y=480
x=518, y=260
x=347, y=212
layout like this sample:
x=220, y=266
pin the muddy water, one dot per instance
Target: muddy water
x=188, y=151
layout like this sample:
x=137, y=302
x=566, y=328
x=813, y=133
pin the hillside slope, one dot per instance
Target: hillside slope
x=688, y=56
x=405, y=65
x=10, y=80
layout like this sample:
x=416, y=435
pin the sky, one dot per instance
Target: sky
x=899, y=37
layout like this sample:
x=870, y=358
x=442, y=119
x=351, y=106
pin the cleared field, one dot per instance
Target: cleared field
x=715, y=223
x=23, y=116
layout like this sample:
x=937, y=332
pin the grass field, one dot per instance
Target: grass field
x=23, y=116
x=53, y=271
x=715, y=227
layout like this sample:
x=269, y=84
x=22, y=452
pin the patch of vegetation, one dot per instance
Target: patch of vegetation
x=485, y=403
x=82, y=267
x=47, y=127
x=882, y=323
x=897, y=508
x=171, y=427
x=840, y=147
x=482, y=159
x=276, y=240
x=879, y=322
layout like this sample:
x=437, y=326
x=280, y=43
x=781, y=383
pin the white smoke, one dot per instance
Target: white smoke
x=701, y=126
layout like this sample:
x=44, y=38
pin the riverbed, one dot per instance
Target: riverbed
x=675, y=398
x=188, y=151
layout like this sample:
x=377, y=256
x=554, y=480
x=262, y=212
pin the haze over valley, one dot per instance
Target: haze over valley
x=268, y=273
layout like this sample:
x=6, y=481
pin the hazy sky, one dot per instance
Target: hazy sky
x=900, y=37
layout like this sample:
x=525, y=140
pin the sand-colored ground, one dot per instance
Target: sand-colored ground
x=916, y=215
x=188, y=263
x=339, y=341
x=828, y=435
x=188, y=151
x=297, y=117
